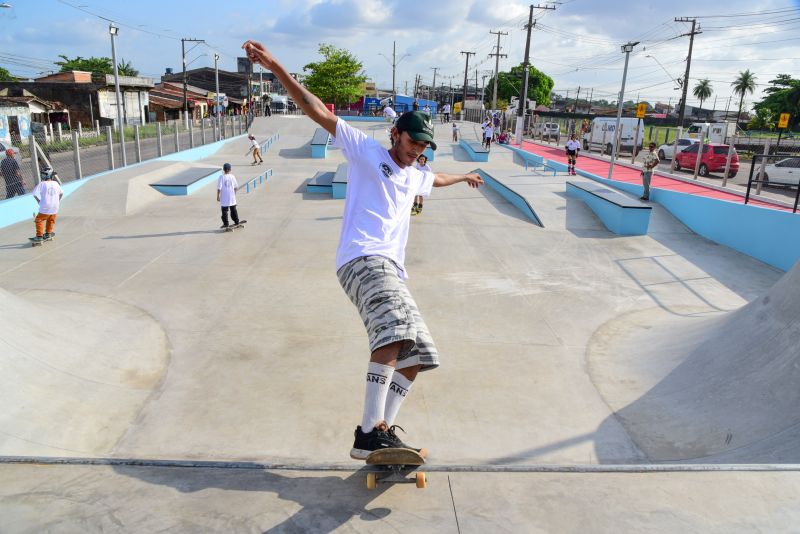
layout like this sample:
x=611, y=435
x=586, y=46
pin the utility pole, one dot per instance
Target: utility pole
x=466, y=72
x=483, y=86
x=627, y=49
x=497, y=55
x=394, y=62
x=433, y=87
x=575, y=107
x=113, y=31
x=185, y=96
x=523, y=95
x=591, y=92
x=691, y=35
x=476, y=83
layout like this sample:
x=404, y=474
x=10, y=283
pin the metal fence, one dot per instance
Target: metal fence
x=80, y=153
x=775, y=171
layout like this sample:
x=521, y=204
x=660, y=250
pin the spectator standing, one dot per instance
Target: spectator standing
x=12, y=175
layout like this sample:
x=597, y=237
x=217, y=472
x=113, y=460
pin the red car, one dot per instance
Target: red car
x=713, y=159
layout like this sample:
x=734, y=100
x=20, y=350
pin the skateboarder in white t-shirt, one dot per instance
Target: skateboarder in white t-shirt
x=226, y=196
x=370, y=259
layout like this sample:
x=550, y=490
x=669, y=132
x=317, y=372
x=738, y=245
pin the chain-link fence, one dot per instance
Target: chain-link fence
x=76, y=154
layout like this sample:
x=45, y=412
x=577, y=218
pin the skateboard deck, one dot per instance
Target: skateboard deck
x=233, y=227
x=393, y=466
x=35, y=243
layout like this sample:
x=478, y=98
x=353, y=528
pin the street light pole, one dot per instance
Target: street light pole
x=217, y=103
x=113, y=30
x=627, y=49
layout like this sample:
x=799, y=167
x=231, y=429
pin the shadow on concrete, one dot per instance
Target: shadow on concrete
x=301, y=152
x=14, y=246
x=168, y=234
x=502, y=205
x=327, y=502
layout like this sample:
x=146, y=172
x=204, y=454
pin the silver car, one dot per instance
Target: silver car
x=785, y=171
x=665, y=150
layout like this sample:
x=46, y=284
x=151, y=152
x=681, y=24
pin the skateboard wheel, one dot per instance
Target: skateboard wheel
x=372, y=481
x=421, y=480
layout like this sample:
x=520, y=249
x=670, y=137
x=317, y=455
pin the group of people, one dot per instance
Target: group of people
x=493, y=132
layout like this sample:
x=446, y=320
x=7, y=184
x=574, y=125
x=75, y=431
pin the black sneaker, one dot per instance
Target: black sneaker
x=400, y=445
x=381, y=437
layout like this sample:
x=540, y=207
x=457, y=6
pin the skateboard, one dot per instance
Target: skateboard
x=393, y=465
x=35, y=243
x=233, y=227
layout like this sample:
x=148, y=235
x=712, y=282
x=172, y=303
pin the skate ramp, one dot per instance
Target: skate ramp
x=697, y=388
x=123, y=192
x=75, y=370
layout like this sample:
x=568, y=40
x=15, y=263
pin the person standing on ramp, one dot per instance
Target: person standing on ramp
x=369, y=260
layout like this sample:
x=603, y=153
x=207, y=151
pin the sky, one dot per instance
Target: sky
x=577, y=43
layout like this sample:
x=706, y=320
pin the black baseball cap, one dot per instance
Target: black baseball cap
x=418, y=125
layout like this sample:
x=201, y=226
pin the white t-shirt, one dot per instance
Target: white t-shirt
x=226, y=185
x=425, y=167
x=254, y=143
x=377, y=209
x=389, y=112
x=573, y=145
x=446, y=108
x=488, y=132
x=49, y=194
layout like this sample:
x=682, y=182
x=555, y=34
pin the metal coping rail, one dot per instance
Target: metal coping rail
x=440, y=468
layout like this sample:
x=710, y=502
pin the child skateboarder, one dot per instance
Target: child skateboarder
x=226, y=196
x=48, y=194
x=422, y=164
x=370, y=259
x=256, y=149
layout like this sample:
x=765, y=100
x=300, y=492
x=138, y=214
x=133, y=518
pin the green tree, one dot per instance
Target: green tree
x=783, y=96
x=338, y=78
x=540, y=85
x=745, y=83
x=703, y=90
x=95, y=65
x=126, y=69
x=6, y=76
x=764, y=120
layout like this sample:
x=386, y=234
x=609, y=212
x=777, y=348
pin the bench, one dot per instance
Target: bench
x=474, y=150
x=619, y=213
x=322, y=182
x=339, y=183
x=319, y=143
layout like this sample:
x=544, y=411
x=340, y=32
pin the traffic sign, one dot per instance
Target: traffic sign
x=641, y=109
x=783, y=121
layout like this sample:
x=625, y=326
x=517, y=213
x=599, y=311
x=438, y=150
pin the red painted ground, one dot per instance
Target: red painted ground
x=626, y=174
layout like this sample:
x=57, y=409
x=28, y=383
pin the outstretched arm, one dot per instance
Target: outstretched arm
x=443, y=180
x=310, y=104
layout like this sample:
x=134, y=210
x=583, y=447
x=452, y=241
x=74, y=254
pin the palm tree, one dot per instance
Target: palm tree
x=702, y=91
x=745, y=83
x=126, y=69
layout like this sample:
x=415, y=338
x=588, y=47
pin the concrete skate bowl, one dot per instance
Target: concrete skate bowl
x=75, y=371
x=700, y=388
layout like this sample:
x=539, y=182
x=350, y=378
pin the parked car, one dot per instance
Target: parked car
x=548, y=130
x=665, y=150
x=785, y=171
x=5, y=146
x=712, y=160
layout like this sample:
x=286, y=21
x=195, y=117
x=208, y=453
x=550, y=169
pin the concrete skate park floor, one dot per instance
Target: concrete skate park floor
x=144, y=333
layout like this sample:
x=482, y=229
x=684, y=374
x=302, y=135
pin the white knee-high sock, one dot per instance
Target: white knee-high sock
x=378, y=378
x=398, y=390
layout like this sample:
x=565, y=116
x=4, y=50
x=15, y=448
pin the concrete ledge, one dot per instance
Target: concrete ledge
x=186, y=182
x=322, y=182
x=528, y=159
x=512, y=196
x=474, y=150
x=319, y=143
x=339, y=184
x=620, y=214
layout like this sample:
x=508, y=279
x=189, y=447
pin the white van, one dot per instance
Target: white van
x=601, y=134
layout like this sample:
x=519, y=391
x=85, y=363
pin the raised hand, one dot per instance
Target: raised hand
x=257, y=53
